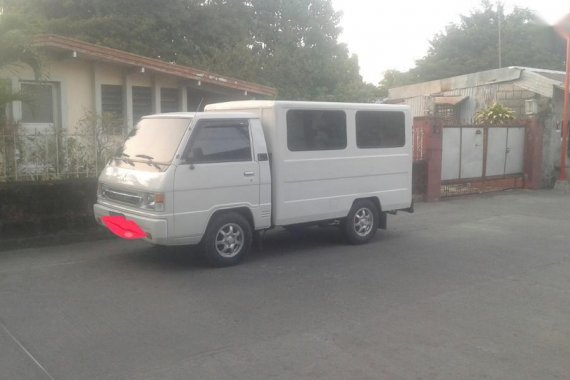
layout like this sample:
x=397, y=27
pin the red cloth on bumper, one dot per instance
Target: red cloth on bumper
x=124, y=228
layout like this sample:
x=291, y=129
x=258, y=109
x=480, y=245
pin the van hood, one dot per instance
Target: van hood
x=140, y=180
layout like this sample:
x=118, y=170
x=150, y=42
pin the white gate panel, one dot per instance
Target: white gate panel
x=515, y=151
x=496, y=148
x=472, y=153
x=451, y=151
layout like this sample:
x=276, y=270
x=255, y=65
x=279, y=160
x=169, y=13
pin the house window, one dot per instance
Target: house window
x=380, y=129
x=169, y=100
x=142, y=102
x=112, y=107
x=309, y=130
x=446, y=111
x=112, y=99
x=39, y=108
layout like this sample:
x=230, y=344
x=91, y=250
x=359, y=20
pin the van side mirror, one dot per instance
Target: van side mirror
x=188, y=159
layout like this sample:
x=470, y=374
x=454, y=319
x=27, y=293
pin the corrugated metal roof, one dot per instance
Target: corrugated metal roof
x=462, y=81
x=476, y=90
x=451, y=100
x=537, y=80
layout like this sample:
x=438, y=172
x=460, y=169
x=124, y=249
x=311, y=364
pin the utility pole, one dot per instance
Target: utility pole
x=563, y=27
x=499, y=13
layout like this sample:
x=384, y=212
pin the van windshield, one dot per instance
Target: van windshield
x=155, y=140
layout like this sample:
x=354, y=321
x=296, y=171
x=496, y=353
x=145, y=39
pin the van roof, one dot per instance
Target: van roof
x=249, y=104
x=202, y=115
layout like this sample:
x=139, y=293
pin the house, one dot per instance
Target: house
x=84, y=78
x=529, y=92
x=89, y=97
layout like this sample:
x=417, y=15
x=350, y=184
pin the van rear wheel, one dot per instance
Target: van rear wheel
x=361, y=222
x=227, y=239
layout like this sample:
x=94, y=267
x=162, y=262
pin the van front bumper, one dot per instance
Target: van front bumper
x=156, y=230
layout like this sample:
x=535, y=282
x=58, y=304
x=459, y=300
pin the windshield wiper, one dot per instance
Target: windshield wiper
x=150, y=160
x=125, y=157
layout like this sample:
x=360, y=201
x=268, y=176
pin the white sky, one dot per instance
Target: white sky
x=392, y=34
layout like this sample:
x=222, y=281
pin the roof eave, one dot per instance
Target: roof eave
x=156, y=65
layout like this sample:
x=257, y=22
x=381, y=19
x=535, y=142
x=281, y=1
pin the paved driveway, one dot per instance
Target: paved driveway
x=472, y=288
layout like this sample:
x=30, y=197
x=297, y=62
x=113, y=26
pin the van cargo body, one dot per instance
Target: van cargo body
x=217, y=177
x=314, y=185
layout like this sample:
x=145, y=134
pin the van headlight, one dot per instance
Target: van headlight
x=101, y=190
x=153, y=201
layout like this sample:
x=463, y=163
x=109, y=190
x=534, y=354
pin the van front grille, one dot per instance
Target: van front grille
x=122, y=196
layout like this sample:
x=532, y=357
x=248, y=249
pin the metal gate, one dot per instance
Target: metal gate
x=477, y=154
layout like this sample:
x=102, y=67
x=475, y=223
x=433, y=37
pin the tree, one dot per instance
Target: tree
x=289, y=44
x=472, y=45
x=393, y=78
x=15, y=50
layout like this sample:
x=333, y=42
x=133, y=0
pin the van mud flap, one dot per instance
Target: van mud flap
x=383, y=221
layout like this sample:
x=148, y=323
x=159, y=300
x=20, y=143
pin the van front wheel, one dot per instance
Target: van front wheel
x=227, y=239
x=361, y=222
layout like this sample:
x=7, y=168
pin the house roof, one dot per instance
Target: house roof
x=106, y=54
x=541, y=81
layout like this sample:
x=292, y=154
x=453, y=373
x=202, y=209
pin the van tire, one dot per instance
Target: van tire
x=361, y=222
x=227, y=239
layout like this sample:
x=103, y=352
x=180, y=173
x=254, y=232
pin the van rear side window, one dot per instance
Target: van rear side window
x=316, y=130
x=380, y=129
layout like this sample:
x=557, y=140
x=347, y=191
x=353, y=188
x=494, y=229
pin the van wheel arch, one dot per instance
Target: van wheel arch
x=374, y=200
x=243, y=211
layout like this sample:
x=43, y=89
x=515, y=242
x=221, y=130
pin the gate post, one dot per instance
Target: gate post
x=533, y=154
x=433, y=137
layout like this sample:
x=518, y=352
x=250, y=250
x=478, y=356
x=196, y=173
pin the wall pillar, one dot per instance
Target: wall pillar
x=182, y=98
x=156, y=96
x=128, y=100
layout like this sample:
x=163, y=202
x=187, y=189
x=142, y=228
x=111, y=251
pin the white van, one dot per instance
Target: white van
x=216, y=177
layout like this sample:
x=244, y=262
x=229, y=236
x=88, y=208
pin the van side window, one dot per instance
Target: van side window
x=220, y=142
x=380, y=129
x=316, y=130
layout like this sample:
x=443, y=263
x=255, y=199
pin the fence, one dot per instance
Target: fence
x=53, y=155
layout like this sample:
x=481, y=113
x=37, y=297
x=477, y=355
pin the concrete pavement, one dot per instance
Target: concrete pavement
x=470, y=288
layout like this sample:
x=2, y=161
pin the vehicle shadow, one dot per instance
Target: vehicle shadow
x=273, y=244
x=297, y=241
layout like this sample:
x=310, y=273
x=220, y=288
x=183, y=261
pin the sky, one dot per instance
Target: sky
x=393, y=34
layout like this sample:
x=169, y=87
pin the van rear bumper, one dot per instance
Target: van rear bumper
x=156, y=229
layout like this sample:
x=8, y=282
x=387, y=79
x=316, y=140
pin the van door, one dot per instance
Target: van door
x=219, y=172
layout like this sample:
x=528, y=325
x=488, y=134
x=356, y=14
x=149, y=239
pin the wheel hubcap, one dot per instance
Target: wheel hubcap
x=229, y=240
x=363, y=222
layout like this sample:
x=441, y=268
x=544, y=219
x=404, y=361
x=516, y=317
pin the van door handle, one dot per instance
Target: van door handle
x=249, y=174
